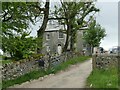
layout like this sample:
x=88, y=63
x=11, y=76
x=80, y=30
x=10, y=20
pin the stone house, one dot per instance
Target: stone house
x=54, y=39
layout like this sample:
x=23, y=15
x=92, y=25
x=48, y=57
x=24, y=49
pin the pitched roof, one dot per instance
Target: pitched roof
x=53, y=27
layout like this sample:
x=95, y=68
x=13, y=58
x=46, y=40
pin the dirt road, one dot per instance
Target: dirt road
x=73, y=77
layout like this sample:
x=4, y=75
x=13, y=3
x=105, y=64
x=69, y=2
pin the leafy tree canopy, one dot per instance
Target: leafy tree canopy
x=19, y=47
x=16, y=16
x=94, y=34
x=73, y=15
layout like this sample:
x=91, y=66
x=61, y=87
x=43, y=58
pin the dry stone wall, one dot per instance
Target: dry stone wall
x=104, y=61
x=16, y=69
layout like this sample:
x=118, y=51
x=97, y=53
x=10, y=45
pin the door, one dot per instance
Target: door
x=59, y=49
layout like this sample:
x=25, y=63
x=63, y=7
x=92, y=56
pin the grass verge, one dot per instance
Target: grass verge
x=66, y=64
x=100, y=78
x=27, y=77
x=40, y=73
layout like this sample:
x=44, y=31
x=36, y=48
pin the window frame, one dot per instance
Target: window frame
x=59, y=35
x=48, y=37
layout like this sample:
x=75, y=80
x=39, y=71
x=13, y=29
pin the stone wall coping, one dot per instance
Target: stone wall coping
x=106, y=55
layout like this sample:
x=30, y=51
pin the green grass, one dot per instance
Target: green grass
x=5, y=61
x=0, y=85
x=27, y=77
x=73, y=61
x=36, y=74
x=2, y=61
x=103, y=78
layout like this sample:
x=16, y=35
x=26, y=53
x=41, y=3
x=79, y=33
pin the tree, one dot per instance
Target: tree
x=16, y=19
x=41, y=30
x=73, y=14
x=94, y=35
x=18, y=46
x=16, y=16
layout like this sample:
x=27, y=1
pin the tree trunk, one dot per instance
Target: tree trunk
x=73, y=40
x=67, y=37
x=40, y=32
x=91, y=50
x=71, y=44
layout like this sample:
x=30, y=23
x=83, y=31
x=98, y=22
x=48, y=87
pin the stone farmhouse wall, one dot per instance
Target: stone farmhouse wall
x=13, y=70
x=104, y=61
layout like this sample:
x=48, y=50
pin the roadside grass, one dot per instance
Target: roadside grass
x=40, y=73
x=100, y=78
x=66, y=64
x=27, y=77
x=1, y=85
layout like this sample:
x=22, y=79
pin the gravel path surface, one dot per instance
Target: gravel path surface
x=73, y=77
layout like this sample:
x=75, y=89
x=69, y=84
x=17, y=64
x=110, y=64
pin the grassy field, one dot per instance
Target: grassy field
x=103, y=78
x=36, y=74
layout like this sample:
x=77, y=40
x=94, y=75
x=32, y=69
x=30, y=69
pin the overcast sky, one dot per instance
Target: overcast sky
x=108, y=18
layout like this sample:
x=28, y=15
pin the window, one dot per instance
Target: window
x=47, y=36
x=61, y=35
